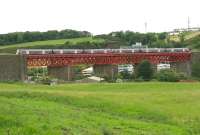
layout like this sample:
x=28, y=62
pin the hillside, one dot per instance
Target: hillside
x=157, y=40
x=100, y=109
x=193, y=43
x=187, y=36
x=190, y=39
x=59, y=43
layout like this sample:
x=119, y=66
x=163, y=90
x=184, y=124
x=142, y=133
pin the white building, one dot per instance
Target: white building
x=127, y=67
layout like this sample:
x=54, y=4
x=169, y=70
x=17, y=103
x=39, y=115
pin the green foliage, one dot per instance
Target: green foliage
x=196, y=69
x=52, y=44
x=85, y=45
x=110, y=79
x=144, y=70
x=133, y=37
x=126, y=75
x=37, y=72
x=168, y=75
x=21, y=37
x=182, y=37
x=44, y=80
x=193, y=43
x=162, y=36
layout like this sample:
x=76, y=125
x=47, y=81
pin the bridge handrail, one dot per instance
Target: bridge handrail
x=90, y=51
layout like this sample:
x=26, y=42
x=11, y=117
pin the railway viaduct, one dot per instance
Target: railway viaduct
x=14, y=67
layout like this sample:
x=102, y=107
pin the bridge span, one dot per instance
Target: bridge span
x=60, y=62
x=65, y=57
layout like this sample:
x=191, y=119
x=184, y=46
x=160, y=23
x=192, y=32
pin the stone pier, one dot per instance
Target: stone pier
x=107, y=70
x=12, y=68
x=61, y=73
x=182, y=67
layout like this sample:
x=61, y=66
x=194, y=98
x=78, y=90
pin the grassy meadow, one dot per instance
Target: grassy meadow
x=100, y=109
x=47, y=44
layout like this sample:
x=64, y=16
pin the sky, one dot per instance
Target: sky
x=98, y=16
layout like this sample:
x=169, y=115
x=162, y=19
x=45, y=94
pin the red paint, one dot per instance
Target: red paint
x=106, y=58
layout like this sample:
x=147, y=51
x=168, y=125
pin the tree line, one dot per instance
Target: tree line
x=21, y=37
x=159, y=40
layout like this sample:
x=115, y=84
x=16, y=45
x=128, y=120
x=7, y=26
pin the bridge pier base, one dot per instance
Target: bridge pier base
x=61, y=73
x=183, y=67
x=13, y=68
x=107, y=70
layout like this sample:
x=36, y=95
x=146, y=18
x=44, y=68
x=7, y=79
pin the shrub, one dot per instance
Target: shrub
x=125, y=75
x=144, y=70
x=168, y=75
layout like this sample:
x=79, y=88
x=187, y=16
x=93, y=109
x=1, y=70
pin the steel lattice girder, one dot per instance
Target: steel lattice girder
x=108, y=58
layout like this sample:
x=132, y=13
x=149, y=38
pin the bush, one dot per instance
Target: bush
x=144, y=70
x=45, y=80
x=168, y=75
x=125, y=75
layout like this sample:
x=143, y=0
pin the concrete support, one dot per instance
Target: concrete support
x=107, y=70
x=135, y=68
x=12, y=68
x=23, y=68
x=155, y=68
x=182, y=67
x=61, y=73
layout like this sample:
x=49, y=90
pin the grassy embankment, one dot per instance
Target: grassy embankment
x=60, y=43
x=191, y=40
x=96, y=109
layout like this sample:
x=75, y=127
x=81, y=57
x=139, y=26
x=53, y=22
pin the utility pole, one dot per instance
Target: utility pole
x=145, y=26
x=188, y=23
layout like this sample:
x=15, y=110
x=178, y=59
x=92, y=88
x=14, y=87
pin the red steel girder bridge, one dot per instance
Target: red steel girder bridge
x=56, y=58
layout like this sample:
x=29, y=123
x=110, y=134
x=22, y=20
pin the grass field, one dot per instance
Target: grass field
x=100, y=109
x=49, y=43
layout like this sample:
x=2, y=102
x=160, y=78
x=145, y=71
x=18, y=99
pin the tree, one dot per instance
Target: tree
x=162, y=36
x=182, y=37
x=21, y=37
x=126, y=75
x=144, y=70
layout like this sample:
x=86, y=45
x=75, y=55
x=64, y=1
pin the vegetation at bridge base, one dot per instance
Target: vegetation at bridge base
x=96, y=109
x=125, y=75
x=144, y=71
x=169, y=75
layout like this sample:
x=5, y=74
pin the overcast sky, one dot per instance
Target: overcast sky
x=97, y=16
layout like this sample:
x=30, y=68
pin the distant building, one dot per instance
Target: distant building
x=128, y=68
x=134, y=46
x=87, y=71
x=181, y=30
x=163, y=66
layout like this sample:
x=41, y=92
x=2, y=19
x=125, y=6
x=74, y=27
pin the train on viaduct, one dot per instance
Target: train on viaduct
x=60, y=62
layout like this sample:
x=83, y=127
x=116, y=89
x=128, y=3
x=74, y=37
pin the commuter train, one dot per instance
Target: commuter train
x=99, y=51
